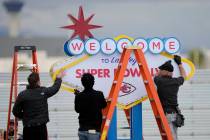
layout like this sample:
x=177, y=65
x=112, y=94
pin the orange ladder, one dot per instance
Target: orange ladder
x=12, y=124
x=160, y=117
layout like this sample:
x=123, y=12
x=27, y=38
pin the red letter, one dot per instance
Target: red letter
x=156, y=45
x=141, y=44
x=171, y=44
x=106, y=73
x=100, y=73
x=123, y=45
x=92, y=47
x=76, y=46
x=78, y=73
x=135, y=72
x=154, y=71
x=127, y=73
x=93, y=71
x=107, y=47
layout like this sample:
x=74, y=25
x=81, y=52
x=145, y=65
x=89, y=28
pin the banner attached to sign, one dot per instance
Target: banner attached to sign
x=103, y=67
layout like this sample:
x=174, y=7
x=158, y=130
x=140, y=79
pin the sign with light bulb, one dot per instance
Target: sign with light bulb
x=101, y=58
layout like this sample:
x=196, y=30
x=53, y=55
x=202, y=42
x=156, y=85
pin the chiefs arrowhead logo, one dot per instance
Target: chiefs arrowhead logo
x=126, y=89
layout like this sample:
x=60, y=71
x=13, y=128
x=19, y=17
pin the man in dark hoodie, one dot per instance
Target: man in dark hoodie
x=32, y=108
x=89, y=104
x=167, y=88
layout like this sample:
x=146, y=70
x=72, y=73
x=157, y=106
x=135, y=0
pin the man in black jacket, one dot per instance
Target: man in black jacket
x=32, y=108
x=89, y=104
x=167, y=88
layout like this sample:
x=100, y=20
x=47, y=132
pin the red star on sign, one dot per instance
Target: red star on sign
x=81, y=25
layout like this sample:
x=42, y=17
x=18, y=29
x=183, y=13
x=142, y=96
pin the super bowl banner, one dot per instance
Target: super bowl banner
x=101, y=58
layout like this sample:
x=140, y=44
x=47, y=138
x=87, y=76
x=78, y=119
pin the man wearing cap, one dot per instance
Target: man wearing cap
x=167, y=88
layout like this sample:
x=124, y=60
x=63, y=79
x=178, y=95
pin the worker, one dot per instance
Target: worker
x=167, y=88
x=32, y=108
x=89, y=104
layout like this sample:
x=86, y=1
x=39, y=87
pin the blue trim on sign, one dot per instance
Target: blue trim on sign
x=66, y=50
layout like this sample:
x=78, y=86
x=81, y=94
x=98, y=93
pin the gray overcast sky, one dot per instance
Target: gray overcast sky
x=188, y=20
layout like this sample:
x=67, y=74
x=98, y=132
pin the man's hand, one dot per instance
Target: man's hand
x=76, y=91
x=177, y=59
x=61, y=74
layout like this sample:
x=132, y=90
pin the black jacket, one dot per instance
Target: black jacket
x=89, y=105
x=31, y=104
x=167, y=88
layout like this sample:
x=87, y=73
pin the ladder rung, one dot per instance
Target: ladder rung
x=157, y=117
x=104, y=117
x=22, y=83
x=26, y=66
x=109, y=100
x=107, y=122
x=114, y=82
x=20, y=48
x=146, y=82
x=163, y=134
x=125, y=127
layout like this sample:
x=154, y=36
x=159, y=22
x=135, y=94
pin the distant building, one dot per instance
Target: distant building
x=13, y=8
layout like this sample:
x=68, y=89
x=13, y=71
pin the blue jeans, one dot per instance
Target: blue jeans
x=171, y=118
x=85, y=135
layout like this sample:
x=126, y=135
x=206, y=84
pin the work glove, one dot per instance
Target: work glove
x=177, y=59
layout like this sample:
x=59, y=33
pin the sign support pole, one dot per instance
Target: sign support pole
x=136, y=122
